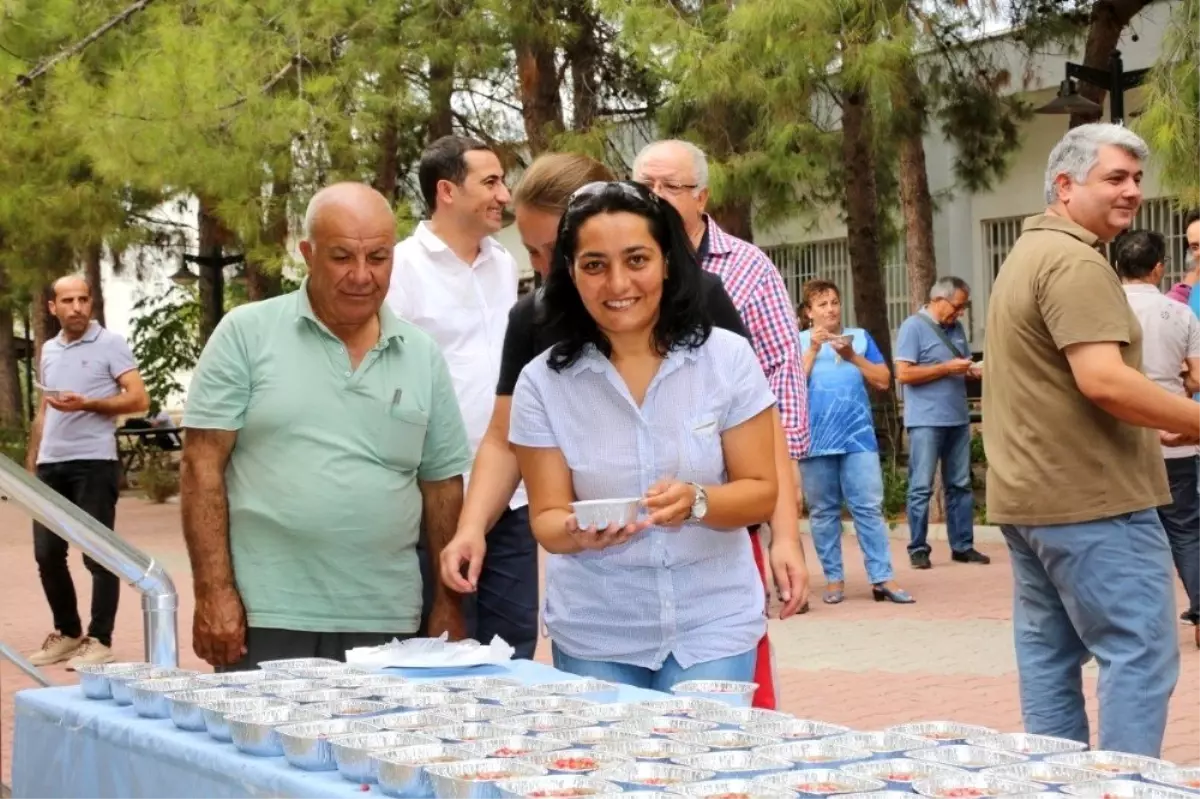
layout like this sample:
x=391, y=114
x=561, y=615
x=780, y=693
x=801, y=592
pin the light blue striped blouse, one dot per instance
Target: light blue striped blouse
x=693, y=592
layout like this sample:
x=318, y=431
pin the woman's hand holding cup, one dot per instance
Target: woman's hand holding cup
x=592, y=539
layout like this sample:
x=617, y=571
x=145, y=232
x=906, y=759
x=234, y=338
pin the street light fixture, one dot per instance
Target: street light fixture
x=186, y=277
x=1115, y=79
x=183, y=276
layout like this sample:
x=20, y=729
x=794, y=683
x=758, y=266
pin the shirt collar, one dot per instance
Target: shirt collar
x=434, y=245
x=91, y=334
x=925, y=311
x=1140, y=288
x=719, y=242
x=389, y=326
x=1062, y=225
x=592, y=360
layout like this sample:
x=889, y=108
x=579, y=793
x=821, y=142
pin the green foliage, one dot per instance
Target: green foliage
x=158, y=478
x=978, y=455
x=984, y=149
x=14, y=443
x=165, y=341
x=1170, y=121
x=895, y=489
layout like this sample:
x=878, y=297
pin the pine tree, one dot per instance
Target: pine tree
x=1170, y=121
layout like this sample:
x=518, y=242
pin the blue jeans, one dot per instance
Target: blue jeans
x=1102, y=588
x=736, y=667
x=856, y=479
x=951, y=446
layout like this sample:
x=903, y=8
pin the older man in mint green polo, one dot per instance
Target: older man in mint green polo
x=322, y=439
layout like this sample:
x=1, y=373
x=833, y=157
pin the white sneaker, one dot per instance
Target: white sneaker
x=55, y=649
x=90, y=652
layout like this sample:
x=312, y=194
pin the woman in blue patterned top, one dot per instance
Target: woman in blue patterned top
x=642, y=397
x=842, y=463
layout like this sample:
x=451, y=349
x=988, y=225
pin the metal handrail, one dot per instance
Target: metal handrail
x=15, y=658
x=160, y=602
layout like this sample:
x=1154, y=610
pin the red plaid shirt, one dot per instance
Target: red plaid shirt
x=760, y=296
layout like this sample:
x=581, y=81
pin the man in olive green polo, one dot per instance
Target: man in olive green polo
x=322, y=438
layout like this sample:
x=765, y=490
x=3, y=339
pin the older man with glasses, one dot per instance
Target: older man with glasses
x=677, y=171
x=933, y=363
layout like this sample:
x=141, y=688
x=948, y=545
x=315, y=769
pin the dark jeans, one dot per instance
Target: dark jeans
x=1181, y=520
x=926, y=447
x=264, y=643
x=93, y=486
x=506, y=602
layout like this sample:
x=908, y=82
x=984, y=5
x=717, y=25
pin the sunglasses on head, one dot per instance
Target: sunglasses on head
x=634, y=191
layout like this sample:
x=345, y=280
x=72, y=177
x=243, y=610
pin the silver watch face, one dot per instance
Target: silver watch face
x=700, y=505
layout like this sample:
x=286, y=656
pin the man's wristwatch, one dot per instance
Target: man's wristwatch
x=699, y=504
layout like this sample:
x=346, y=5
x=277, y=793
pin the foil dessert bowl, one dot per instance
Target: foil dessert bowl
x=401, y=772
x=254, y=733
x=476, y=779
x=570, y=785
x=352, y=753
x=307, y=745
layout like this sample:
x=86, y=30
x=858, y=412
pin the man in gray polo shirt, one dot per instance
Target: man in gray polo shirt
x=933, y=362
x=88, y=378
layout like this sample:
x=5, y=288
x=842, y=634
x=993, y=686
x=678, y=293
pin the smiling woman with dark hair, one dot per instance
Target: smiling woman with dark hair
x=681, y=318
x=642, y=397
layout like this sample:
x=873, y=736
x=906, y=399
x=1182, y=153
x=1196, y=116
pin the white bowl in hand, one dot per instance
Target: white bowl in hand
x=602, y=513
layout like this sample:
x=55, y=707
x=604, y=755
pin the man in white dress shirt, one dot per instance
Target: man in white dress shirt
x=456, y=282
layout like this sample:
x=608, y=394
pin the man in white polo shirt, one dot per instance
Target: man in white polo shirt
x=457, y=283
x=89, y=378
x=1171, y=358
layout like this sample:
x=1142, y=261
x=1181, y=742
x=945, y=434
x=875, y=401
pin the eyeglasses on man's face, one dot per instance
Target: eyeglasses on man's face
x=668, y=186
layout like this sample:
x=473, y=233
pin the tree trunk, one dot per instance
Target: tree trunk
x=45, y=325
x=1109, y=18
x=583, y=54
x=387, y=172
x=212, y=279
x=735, y=218
x=441, y=92
x=11, y=415
x=93, y=259
x=262, y=282
x=917, y=206
x=537, y=80
x=862, y=232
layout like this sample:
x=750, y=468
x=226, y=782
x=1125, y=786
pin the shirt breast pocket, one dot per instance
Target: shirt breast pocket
x=705, y=460
x=402, y=438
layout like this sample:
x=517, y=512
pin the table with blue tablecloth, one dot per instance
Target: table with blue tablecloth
x=68, y=746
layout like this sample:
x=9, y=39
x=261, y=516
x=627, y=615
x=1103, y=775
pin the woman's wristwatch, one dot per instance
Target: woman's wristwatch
x=699, y=504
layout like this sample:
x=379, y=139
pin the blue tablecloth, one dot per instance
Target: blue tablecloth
x=68, y=746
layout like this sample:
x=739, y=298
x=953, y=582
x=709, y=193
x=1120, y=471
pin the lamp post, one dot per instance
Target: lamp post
x=1115, y=79
x=215, y=263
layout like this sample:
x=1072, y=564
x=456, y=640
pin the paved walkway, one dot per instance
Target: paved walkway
x=863, y=664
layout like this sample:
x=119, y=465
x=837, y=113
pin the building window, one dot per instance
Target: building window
x=830, y=260
x=1159, y=215
x=999, y=236
x=1162, y=216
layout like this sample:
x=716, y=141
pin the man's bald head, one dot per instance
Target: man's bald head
x=344, y=199
x=349, y=236
x=677, y=171
x=71, y=305
x=71, y=283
